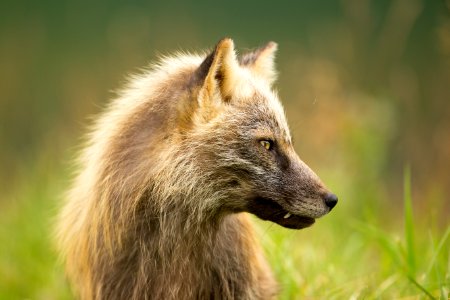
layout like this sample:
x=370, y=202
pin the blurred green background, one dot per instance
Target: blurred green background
x=366, y=88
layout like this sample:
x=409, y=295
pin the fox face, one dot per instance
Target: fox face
x=277, y=185
x=248, y=143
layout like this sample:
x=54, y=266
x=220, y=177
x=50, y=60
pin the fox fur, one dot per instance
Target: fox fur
x=158, y=209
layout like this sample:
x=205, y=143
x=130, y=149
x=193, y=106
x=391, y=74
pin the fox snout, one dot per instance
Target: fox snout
x=310, y=197
x=297, y=200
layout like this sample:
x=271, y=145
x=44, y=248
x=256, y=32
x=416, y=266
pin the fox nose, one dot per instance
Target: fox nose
x=330, y=200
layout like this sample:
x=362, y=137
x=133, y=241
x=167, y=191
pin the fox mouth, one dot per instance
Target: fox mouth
x=269, y=210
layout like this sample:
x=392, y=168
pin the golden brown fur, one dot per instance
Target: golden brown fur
x=157, y=210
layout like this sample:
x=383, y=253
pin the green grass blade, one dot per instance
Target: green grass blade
x=383, y=239
x=409, y=226
x=437, y=251
x=421, y=287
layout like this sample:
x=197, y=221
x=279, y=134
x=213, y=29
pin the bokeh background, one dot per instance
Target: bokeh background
x=366, y=88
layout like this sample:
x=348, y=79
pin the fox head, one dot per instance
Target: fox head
x=243, y=143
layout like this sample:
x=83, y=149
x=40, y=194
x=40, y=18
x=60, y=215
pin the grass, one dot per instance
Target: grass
x=347, y=258
x=28, y=263
x=343, y=256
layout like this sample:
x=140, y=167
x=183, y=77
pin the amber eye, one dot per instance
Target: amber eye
x=266, y=144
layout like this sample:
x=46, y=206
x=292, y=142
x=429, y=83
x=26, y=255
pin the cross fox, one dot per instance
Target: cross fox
x=171, y=169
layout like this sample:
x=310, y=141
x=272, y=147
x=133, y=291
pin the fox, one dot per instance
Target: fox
x=169, y=175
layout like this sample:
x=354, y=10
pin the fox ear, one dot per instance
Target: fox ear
x=219, y=71
x=261, y=62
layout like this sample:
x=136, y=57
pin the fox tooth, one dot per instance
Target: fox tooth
x=287, y=215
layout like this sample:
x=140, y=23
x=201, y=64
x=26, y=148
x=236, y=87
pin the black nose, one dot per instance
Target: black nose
x=331, y=200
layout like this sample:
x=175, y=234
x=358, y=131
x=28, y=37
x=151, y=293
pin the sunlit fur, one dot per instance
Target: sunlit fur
x=157, y=210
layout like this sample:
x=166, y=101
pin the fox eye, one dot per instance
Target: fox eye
x=267, y=144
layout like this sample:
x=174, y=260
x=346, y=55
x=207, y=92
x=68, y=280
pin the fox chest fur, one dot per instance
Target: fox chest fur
x=159, y=207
